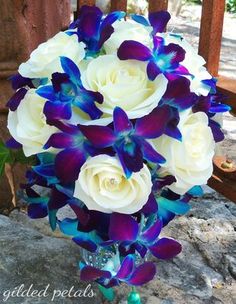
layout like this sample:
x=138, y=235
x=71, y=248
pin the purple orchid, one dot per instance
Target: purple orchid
x=158, y=21
x=67, y=91
x=21, y=85
x=115, y=272
x=73, y=154
x=141, y=237
x=163, y=59
x=129, y=141
x=93, y=29
x=211, y=105
x=178, y=94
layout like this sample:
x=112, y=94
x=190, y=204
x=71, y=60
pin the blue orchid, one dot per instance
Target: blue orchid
x=114, y=272
x=93, y=29
x=141, y=237
x=171, y=204
x=48, y=205
x=157, y=20
x=129, y=140
x=162, y=59
x=67, y=91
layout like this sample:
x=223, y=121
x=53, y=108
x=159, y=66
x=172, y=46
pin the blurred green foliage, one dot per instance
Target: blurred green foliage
x=12, y=157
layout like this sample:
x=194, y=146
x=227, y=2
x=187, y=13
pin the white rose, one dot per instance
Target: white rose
x=45, y=60
x=28, y=125
x=102, y=186
x=127, y=30
x=194, y=63
x=122, y=83
x=190, y=161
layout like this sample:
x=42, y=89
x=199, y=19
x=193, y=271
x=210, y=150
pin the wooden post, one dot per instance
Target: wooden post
x=84, y=2
x=118, y=5
x=211, y=33
x=24, y=24
x=158, y=5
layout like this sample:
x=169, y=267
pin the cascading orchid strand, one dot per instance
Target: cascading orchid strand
x=122, y=123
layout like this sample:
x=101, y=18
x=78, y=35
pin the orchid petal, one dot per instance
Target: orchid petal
x=57, y=110
x=175, y=52
x=57, y=200
x=150, y=154
x=131, y=49
x=219, y=108
x=99, y=136
x=140, y=19
x=68, y=226
x=152, y=233
x=15, y=100
x=13, y=144
x=131, y=156
x=60, y=140
x=121, y=121
x=123, y=227
x=216, y=130
x=90, y=273
x=47, y=92
x=153, y=70
x=85, y=243
x=18, y=81
x=126, y=267
x=150, y=206
x=165, y=248
x=68, y=163
x=153, y=125
x=36, y=211
x=159, y=21
x=177, y=206
x=143, y=274
x=71, y=69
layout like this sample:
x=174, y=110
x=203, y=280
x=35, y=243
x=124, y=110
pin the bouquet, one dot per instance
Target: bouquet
x=120, y=117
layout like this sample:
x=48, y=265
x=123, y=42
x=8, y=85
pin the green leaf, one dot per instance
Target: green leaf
x=108, y=293
x=5, y=157
x=19, y=157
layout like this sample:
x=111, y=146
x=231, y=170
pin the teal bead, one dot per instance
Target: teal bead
x=134, y=298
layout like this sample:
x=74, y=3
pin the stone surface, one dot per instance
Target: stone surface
x=204, y=273
x=29, y=257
